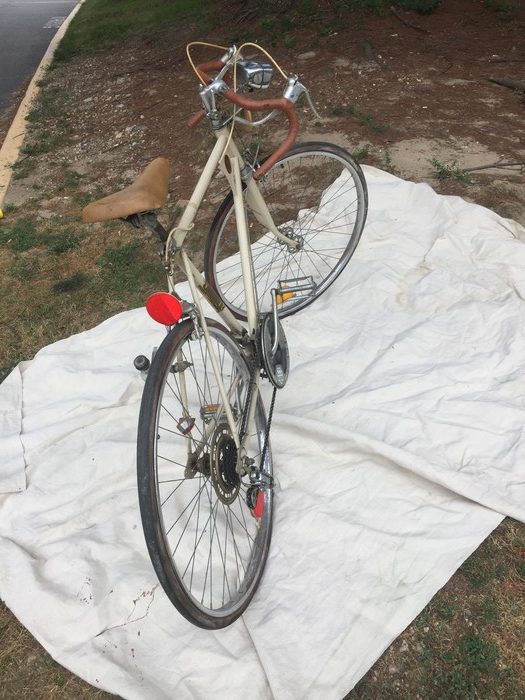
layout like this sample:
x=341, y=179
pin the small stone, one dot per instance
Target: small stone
x=404, y=646
x=306, y=55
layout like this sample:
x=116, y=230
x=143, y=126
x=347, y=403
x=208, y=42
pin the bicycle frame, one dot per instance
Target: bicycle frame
x=225, y=155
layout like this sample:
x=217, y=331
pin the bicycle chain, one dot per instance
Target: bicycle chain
x=247, y=403
x=244, y=419
x=268, y=426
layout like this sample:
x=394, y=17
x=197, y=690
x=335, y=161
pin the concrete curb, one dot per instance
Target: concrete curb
x=10, y=149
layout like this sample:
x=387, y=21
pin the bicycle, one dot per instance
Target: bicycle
x=204, y=464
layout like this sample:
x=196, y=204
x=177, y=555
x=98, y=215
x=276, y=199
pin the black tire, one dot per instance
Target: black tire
x=193, y=536
x=316, y=192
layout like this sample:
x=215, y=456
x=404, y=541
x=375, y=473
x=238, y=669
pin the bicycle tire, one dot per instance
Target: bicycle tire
x=222, y=538
x=328, y=217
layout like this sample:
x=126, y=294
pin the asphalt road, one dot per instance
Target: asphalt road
x=26, y=28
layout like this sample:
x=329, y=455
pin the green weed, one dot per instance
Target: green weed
x=287, y=24
x=363, y=117
x=445, y=611
x=308, y=7
x=49, y=105
x=489, y=610
x=59, y=680
x=23, y=168
x=43, y=142
x=469, y=669
x=361, y=152
x=268, y=23
x=386, y=161
x=449, y=171
x=71, y=180
x=504, y=8
x=424, y=7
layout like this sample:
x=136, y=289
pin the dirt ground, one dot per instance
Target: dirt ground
x=409, y=93
x=396, y=95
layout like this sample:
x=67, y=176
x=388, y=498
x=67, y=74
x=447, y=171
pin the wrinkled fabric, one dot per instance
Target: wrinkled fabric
x=397, y=446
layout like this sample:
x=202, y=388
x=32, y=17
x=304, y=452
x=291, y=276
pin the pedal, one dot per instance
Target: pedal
x=185, y=425
x=210, y=411
x=292, y=288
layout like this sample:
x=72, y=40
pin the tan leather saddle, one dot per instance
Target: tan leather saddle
x=148, y=192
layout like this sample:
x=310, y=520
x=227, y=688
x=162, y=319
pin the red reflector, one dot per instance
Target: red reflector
x=258, y=511
x=164, y=308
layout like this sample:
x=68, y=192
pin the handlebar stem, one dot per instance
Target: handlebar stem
x=207, y=95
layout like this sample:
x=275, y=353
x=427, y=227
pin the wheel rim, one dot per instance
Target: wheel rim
x=214, y=548
x=316, y=198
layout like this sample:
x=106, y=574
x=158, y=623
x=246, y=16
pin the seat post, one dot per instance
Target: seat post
x=148, y=220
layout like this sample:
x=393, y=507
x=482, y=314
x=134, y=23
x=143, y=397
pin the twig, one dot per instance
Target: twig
x=512, y=84
x=406, y=22
x=154, y=104
x=115, y=145
x=503, y=60
x=499, y=164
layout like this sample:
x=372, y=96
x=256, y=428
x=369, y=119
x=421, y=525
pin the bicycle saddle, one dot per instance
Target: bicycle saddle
x=149, y=191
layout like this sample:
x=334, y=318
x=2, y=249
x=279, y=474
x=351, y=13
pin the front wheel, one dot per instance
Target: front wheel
x=207, y=544
x=317, y=197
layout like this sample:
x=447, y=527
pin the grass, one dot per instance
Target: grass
x=468, y=641
x=26, y=672
x=100, y=24
x=24, y=235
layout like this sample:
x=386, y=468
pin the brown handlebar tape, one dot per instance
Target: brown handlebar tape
x=282, y=104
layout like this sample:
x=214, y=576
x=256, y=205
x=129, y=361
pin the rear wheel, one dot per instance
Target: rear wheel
x=206, y=542
x=317, y=197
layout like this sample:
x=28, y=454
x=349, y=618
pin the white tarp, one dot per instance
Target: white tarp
x=397, y=445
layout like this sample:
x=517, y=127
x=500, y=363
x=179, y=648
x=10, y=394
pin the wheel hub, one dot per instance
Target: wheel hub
x=223, y=464
x=289, y=232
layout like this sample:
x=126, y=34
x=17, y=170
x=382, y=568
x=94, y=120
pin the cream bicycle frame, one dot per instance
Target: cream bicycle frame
x=225, y=155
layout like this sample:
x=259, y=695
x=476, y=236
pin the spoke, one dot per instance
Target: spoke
x=172, y=461
x=197, y=495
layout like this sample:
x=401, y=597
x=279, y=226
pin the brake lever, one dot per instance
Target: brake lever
x=293, y=92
